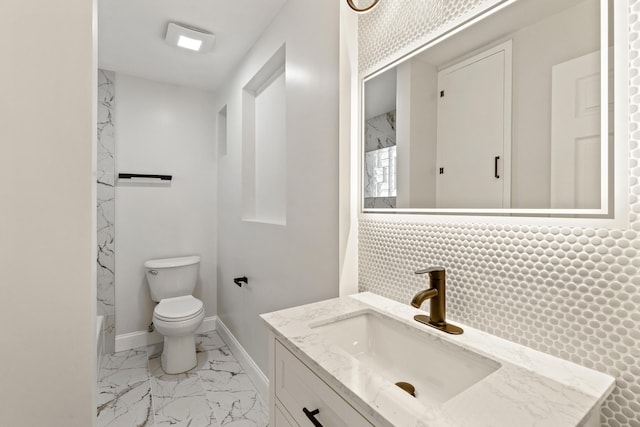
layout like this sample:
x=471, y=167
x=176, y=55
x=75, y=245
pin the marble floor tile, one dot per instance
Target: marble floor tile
x=209, y=341
x=124, y=368
x=128, y=405
x=124, y=392
x=179, y=399
x=134, y=390
x=220, y=359
x=234, y=397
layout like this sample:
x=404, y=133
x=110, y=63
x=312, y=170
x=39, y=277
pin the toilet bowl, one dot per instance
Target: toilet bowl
x=177, y=319
x=178, y=314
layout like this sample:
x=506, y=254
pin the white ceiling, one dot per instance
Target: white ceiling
x=131, y=37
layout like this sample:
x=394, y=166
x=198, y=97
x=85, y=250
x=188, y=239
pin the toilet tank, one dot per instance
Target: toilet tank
x=172, y=277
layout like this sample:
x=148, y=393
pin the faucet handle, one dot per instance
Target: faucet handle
x=433, y=269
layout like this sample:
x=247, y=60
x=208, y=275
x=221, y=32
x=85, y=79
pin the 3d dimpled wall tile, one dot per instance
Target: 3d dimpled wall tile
x=404, y=24
x=570, y=292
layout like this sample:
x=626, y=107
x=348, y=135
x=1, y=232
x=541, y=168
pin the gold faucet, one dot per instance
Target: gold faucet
x=437, y=296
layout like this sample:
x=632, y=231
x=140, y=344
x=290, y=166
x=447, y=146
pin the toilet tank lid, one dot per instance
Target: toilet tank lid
x=172, y=262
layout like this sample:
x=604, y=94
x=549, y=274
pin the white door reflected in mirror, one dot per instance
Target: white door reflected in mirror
x=474, y=132
x=575, y=133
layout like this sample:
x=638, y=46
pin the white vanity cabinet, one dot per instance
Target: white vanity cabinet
x=297, y=391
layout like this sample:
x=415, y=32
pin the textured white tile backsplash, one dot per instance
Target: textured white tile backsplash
x=571, y=292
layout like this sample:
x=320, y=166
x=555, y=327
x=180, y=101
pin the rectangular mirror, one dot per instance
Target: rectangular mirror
x=502, y=115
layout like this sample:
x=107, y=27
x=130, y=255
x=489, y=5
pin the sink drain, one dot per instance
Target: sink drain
x=409, y=388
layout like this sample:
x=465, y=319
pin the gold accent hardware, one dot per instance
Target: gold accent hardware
x=355, y=8
x=438, y=303
x=409, y=388
x=447, y=327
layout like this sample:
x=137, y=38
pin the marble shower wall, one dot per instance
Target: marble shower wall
x=568, y=291
x=380, y=131
x=106, y=207
x=380, y=161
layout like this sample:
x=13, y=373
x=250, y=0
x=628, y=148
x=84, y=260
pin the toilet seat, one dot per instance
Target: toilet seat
x=178, y=309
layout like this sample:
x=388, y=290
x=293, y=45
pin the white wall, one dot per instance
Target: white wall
x=380, y=94
x=416, y=130
x=47, y=218
x=349, y=171
x=163, y=129
x=271, y=153
x=295, y=263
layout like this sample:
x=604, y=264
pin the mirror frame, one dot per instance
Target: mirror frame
x=614, y=191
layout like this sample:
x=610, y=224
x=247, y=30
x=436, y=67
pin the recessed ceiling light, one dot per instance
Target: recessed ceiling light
x=189, y=43
x=189, y=38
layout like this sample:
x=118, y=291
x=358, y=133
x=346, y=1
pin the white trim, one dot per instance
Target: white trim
x=143, y=338
x=136, y=339
x=257, y=377
x=546, y=221
x=208, y=324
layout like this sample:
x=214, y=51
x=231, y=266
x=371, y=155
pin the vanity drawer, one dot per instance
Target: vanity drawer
x=298, y=388
x=280, y=419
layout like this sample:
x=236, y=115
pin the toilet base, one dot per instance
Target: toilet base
x=179, y=354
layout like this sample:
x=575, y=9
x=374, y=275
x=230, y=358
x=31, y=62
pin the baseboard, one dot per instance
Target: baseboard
x=144, y=338
x=256, y=375
x=208, y=324
x=136, y=339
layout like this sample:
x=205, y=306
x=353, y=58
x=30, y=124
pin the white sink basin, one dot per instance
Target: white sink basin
x=437, y=369
x=362, y=344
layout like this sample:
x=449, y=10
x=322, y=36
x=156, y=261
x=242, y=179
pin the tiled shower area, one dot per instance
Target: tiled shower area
x=105, y=208
x=133, y=390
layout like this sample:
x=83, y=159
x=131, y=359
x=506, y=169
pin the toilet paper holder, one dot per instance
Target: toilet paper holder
x=240, y=280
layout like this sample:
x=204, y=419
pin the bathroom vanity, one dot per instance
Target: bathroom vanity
x=337, y=362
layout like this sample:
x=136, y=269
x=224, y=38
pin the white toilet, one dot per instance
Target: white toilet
x=178, y=314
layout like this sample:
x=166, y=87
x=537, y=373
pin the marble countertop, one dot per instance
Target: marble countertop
x=529, y=388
